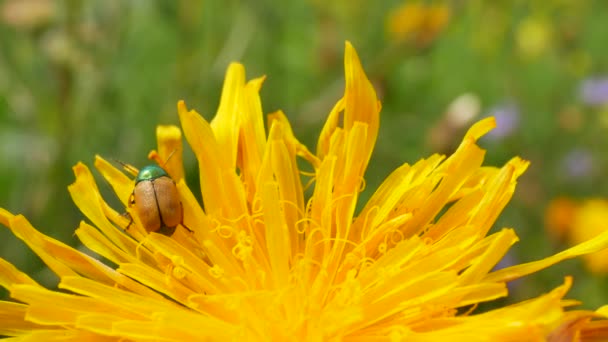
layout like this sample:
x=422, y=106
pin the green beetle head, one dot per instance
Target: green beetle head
x=150, y=172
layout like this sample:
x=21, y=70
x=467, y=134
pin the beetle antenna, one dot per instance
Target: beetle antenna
x=169, y=157
x=130, y=169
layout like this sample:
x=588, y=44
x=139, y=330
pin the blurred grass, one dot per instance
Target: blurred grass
x=83, y=78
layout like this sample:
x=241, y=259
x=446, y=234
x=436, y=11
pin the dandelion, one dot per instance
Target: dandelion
x=264, y=262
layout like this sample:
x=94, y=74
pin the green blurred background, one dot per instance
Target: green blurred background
x=79, y=78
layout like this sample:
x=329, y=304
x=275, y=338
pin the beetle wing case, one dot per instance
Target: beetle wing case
x=146, y=206
x=168, y=201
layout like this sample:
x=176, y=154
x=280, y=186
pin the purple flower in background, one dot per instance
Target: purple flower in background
x=578, y=163
x=507, y=120
x=507, y=261
x=594, y=91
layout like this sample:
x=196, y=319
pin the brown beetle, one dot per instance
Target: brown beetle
x=156, y=200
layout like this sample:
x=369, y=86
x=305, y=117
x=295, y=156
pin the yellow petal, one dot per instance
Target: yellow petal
x=87, y=197
x=53, y=308
x=279, y=168
x=100, y=244
x=223, y=192
x=598, y=243
x=196, y=220
x=62, y=335
x=360, y=102
x=122, y=185
x=492, y=255
x=170, y=151
x=331, y=125
x=252, y=136
x=293, y=143
x=227, y=120
x=12, y=319
x=10, y=275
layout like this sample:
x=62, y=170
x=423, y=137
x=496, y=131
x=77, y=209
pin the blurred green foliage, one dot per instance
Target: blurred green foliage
x=79, y=78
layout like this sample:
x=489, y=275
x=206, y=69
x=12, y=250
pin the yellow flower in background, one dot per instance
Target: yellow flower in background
x=418, y=21
x=264, y=262
x=559, y=215
x=534, y=37
x=577, y=222
x=589, y=221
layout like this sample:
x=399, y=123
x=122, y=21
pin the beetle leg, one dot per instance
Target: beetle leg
x=130, y=220
x=130, y=203
x=183, y=225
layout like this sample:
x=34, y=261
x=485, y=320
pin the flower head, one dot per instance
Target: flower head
x=261, y=261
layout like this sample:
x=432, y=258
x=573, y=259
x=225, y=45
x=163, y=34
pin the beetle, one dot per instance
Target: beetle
x=156, y=201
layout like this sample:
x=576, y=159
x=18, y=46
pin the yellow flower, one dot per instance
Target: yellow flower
x=559, y=215
x=417, y=20
x=534, y=37
x=580, y=221
x=265, y=262
x=589, y=220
